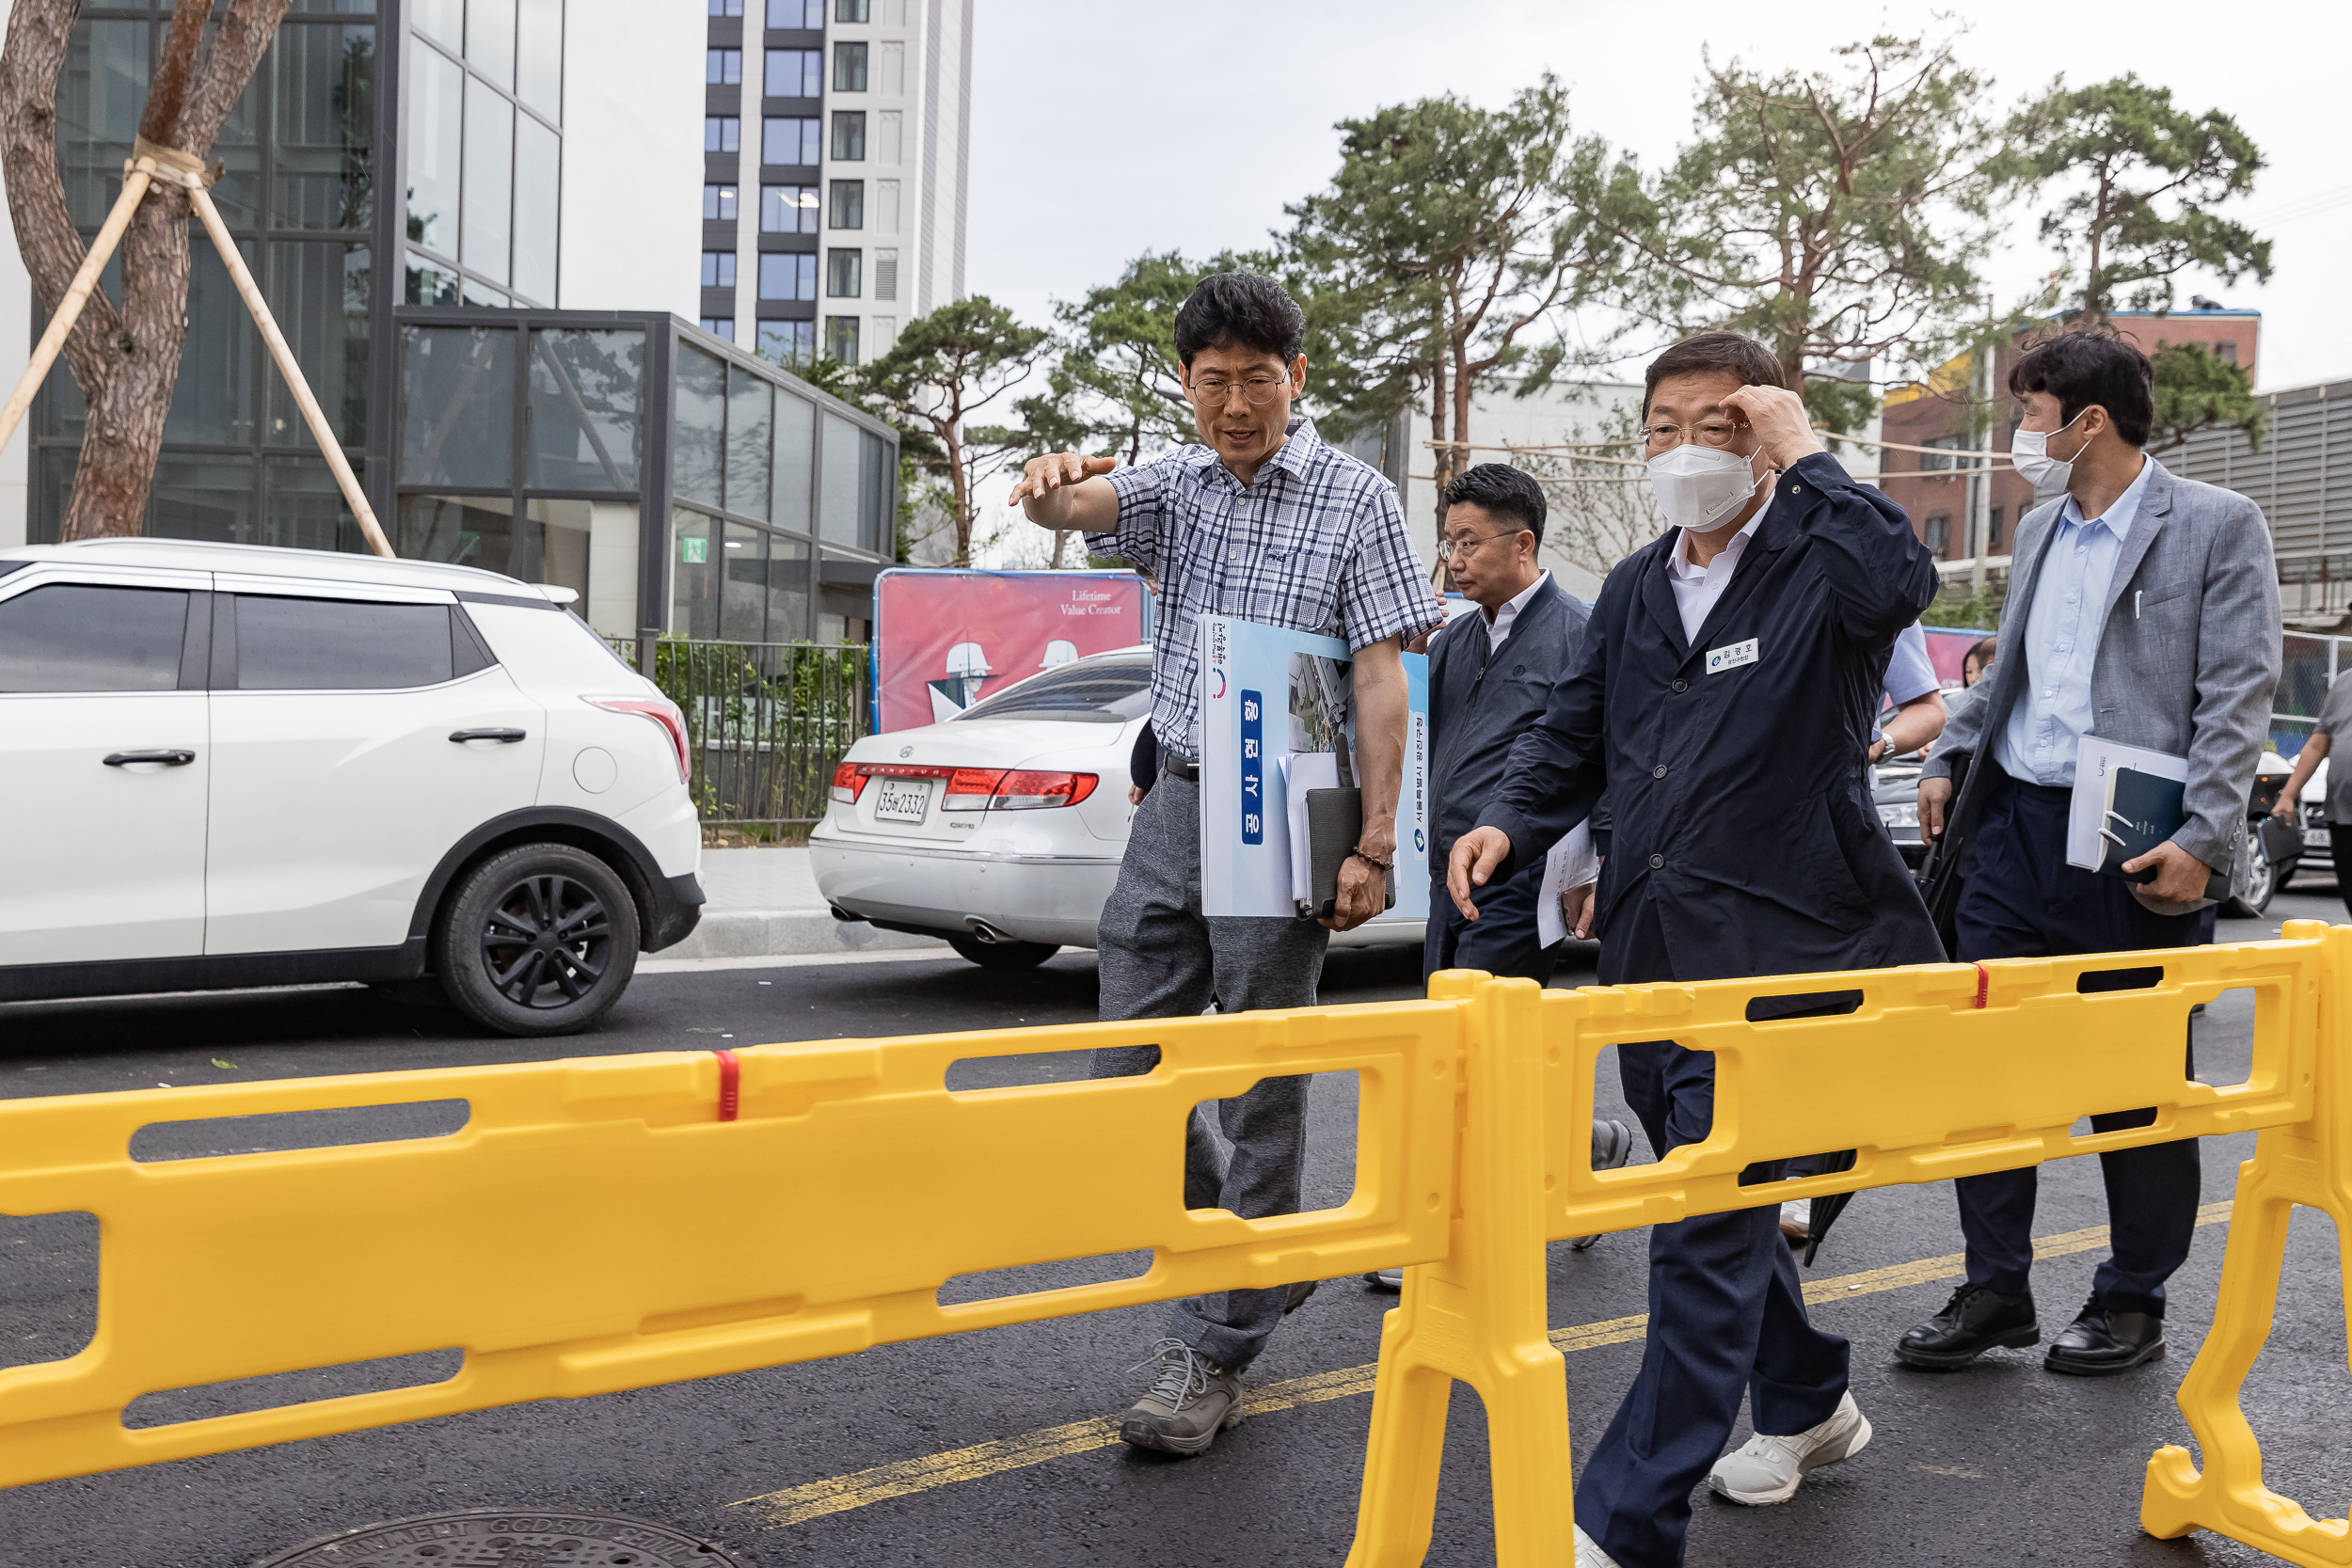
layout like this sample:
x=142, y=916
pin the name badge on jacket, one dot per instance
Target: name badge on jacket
x=1730, y=655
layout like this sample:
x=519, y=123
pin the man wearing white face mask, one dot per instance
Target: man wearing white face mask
x=1723, y=699
x=2143, y=608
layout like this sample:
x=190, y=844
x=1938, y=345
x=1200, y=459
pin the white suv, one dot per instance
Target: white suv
x=228, y=766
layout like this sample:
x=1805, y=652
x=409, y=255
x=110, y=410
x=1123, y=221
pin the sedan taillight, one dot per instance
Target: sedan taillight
x=661, y=711
x=1014, y=790
x=1025, y=790
x=972, y=788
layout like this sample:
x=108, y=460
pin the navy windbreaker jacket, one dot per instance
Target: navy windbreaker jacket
x=1744, y=841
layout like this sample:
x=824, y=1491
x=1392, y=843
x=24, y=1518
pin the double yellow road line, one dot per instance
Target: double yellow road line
x=797, y=1505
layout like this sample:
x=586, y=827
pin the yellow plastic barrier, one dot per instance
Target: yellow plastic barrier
x=596, y=1227
x=1941, y=1071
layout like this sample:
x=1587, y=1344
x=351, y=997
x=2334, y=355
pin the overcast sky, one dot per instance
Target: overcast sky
x=1103, y=131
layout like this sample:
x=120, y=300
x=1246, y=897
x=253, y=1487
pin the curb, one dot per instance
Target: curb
x=771, y=934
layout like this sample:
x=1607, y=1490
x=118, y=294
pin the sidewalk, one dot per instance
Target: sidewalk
x=764, y=903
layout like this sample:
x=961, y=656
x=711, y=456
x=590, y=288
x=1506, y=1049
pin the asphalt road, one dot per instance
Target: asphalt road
x=2002, y=1464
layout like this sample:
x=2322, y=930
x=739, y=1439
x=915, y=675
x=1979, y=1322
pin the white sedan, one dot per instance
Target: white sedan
x=1001, y=829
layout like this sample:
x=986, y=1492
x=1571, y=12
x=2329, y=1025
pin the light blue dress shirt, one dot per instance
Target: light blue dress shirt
x=2062, y=626
x=1910, y=672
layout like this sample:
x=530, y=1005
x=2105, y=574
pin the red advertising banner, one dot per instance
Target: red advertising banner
x=1947, y=647
x=944, y=638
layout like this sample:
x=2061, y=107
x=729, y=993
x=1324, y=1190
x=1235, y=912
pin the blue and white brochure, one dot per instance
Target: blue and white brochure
x=1261, y=707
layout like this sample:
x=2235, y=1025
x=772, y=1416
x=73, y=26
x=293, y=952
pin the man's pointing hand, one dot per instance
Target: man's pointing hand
x=1041, y=476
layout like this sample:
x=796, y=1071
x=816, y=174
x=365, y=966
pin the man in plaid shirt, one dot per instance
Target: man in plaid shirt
x=1266, y=523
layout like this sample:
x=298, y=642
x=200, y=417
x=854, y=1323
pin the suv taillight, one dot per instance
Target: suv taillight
x=661, y=711
x=848, y=782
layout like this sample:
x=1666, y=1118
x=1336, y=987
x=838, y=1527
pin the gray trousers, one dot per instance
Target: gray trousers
x=1161, y=957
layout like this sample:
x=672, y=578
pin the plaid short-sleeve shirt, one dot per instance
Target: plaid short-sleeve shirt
x=1315, y=542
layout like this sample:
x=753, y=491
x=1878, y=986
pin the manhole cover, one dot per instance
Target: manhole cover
x=488, y=1539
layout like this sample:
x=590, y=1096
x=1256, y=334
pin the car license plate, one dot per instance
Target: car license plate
x=901, y=799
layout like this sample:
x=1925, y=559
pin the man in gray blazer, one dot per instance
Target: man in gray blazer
x=2143, y=608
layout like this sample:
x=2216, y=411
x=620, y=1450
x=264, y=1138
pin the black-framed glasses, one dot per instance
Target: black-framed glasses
x=1215, y=392
x=1663, y=437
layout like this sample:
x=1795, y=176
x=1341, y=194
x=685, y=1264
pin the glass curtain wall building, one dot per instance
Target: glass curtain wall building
x=676, y=484
x=336, y=226
x=304, y=152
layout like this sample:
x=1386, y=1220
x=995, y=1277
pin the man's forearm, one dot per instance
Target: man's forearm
x=1914, y=724
x=1382, y=712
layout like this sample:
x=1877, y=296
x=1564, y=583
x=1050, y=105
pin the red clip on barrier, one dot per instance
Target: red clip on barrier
x=731, y=1075
x=1984, y=984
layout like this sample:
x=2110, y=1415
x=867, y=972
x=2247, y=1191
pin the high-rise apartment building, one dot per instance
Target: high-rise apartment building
x=834, y=170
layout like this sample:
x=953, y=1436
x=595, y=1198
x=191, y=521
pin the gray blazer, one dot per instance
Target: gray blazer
x=2188, y=651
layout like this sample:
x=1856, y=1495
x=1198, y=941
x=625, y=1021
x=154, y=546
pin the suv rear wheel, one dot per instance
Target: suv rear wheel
x=537, y=940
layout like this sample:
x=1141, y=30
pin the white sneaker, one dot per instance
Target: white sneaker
x=1796, y=1218
x=1588, y=1552
x=1768, y=1469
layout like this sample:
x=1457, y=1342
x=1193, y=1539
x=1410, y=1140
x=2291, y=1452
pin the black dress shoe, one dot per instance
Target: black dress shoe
x=1972, y=1322
x=2103, y=1342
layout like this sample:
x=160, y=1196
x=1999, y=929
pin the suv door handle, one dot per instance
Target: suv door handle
x=169, y=759
x=504, y=737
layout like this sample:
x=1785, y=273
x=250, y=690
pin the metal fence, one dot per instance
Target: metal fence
x=765, y=722
x=2309, y=664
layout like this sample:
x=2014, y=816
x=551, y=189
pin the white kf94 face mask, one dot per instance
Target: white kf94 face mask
x=1699, y=486
x=2030, y=454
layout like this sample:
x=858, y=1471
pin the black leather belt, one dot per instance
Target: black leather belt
x=1183, y=767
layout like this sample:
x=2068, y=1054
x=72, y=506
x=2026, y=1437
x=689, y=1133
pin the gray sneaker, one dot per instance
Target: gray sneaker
x=1386, y=1279
x=1612, y=1145
x=1191, y=1400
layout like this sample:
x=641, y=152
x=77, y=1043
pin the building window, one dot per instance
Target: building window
x=853, y=10
x=1937, y=460
x=788, y=275
x=885, y=275
x=795, y=73
x=789, y=141
x=718, y=269
x=1939, y=535
x=719, y=203
x=841, y=338
x=1993, y=536
x=788, y=343
x=723, y=68
x=727, y=7
x=720, y=327
x=849, y=135
x=721, y=134
x=807, y=15
x=842, y=269
x=2226, y=353
x=849, y=204
x=787, y=209
x=848, y=72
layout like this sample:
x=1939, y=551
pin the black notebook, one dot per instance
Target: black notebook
x=2142, y=810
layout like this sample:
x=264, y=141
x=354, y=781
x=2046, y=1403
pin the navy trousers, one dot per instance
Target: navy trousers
x=2023, y=901
x=1502, y=941
x=1727, y=1317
